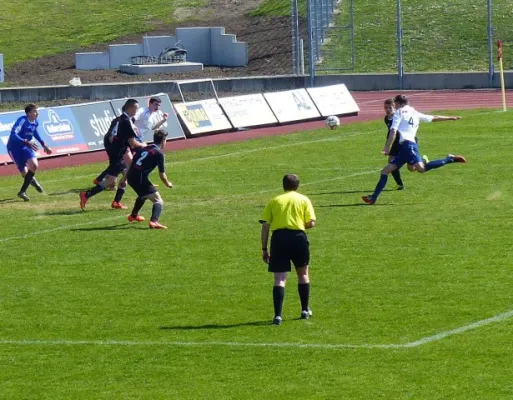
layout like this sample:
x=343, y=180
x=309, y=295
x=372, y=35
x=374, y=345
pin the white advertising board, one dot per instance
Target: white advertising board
x=202, y=116
x=292, y=105
x=248, y=110
x=333, y=100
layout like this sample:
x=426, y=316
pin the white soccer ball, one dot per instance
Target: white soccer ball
x=332, y=122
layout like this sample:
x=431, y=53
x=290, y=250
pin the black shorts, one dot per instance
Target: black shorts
x=286, y=246
x=117, y=164
x=141, y=184
x=396, y=147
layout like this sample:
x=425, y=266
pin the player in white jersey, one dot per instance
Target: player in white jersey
x=406, y=123
x=150, y=119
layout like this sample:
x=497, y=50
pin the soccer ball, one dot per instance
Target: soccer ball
x=332, y=122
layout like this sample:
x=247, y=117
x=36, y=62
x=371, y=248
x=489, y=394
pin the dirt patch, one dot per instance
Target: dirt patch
x=269, y=43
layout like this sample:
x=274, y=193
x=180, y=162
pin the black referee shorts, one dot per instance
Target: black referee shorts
x=286, y=246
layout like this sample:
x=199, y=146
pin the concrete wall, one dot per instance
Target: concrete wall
x=197, y=43
x=154, y=45
x=92, y=61
x=357, y=82
x=121, y=53
x=226, y=50
x=209, y=46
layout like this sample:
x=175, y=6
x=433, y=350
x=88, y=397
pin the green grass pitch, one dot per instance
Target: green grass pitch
x=92, y=307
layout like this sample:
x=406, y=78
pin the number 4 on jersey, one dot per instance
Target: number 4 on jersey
x=411, y=123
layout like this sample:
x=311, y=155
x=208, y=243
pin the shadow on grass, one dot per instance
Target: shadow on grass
x=5, y=201
x=352, y=205
x=213, y=326
x=118, y=227
x=71, y=191
x=350, y=192
x=63, y=212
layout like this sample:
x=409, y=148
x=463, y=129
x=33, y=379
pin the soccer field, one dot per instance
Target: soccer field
x=411, y=297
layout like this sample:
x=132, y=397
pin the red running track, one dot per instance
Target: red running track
x=371, y=107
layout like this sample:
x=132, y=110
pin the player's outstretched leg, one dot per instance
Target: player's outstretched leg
x=86, y=195
x=134, y=216
x=381, y=183
x=451, y=158
x=101, y=177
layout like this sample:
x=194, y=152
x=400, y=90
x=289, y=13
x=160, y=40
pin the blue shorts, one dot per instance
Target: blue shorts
x=408, y=154
x=20, y=155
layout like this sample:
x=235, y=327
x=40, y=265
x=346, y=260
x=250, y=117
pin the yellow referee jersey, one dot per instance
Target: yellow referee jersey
x=290, y=210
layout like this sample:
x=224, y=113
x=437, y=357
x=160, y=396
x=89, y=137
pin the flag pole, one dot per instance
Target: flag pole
x=503, y=86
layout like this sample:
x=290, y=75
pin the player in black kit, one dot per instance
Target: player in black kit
x=146, y=159
x=120, y=138
x=394, y=150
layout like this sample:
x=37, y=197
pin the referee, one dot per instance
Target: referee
x=288, y=216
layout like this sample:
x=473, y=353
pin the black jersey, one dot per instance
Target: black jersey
x=147, y=159
x=122, y=131
x=388, y=122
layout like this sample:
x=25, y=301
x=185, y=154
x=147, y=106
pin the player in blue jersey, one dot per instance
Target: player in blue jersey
x=406, y=123
x=121, y=138
x=146, y=159
x=22, y=149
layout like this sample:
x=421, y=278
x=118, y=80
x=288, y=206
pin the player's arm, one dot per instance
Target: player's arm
x=390, y=140
x=439, y=118
x=264, y=237
x=134, y=144
x=45, y=147
x=266, y=220
x=15, y=134
x=392, y=133
x=162, y=172
x=310, y=218
x=161, y=122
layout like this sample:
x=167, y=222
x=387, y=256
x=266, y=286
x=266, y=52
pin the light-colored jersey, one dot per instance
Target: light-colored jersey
x=406, y=123
x=145, y=120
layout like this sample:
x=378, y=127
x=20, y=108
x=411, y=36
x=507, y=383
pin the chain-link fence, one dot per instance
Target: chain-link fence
x=422, y=35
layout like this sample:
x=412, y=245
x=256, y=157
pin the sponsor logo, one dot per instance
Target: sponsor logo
x=6, y=127
x=301, y=103
x=100, y=124
x=58, y=129
x=197, y=116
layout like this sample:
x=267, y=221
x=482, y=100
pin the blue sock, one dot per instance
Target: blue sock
x=380, y=186
x=438, y=163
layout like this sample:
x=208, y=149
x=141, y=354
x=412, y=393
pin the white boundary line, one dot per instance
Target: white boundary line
x=325, y=346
